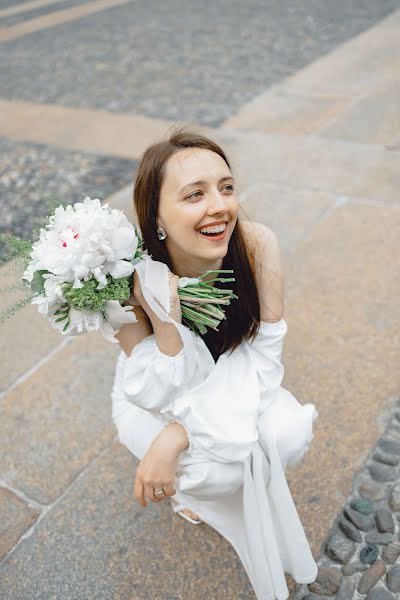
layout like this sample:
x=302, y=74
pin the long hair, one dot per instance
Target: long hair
x=242, y=314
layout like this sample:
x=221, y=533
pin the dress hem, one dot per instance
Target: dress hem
x=205, y=518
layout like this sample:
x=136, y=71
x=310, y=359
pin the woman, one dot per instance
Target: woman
x=207, y=415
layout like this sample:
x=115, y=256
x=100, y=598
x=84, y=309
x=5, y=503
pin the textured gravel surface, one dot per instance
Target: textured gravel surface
x=37, y=12
x=179, y=60
x=29, y=173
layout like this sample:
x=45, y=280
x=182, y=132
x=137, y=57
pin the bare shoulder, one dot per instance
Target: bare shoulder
x=258, y=233
x=269, y=271
x=264, y=245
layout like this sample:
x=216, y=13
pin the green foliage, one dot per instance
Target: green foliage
x=201, y=303
x=15, y=308
x=37, y=283
x=17, y=247
x=89, y=298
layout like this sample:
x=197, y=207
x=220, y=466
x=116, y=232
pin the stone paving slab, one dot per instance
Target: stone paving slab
x=94, y=131
x=338, y=167
x=342, y=349
x=374, y=119
x=359, y=103
x=280, y=111
x=291, y=212
x=98, y=543
x=29, y=337
x=56, y=421
x=16, y=518
x=177, y=62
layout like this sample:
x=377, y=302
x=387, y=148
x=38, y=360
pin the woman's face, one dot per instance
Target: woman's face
x=198, y=190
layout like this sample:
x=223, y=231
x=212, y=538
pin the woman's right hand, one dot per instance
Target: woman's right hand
x=156, y=470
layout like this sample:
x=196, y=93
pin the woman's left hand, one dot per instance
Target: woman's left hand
x=158, y=466
x=175, y=311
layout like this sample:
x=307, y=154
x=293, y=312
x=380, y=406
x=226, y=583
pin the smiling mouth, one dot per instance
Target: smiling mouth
x=214, y=236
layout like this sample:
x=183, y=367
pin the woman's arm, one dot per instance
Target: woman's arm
x=167, y=336
x=264, y=246
x=131, y=334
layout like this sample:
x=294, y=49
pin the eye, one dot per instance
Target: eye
x=193, y=195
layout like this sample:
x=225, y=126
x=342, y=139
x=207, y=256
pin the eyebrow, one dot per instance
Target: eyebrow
x=201, y=182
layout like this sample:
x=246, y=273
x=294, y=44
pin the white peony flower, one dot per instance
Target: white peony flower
x=85, y=240
x=53, y=297
x=81, y=321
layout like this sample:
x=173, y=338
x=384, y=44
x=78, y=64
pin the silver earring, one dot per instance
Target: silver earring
x=162, y=234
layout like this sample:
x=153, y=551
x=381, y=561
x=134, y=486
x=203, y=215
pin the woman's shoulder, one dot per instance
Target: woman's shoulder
x=259, y=236
x=269, y=272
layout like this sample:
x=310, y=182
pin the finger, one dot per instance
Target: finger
x=169, y=489
x=139, y=492
x=149, y=492
x=136, y=286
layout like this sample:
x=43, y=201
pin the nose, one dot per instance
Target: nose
x=218, y=203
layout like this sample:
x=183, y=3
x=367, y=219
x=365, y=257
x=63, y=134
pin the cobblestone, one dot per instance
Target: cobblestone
x=364, y=564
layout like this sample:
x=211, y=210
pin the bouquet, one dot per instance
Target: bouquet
x=80, y=273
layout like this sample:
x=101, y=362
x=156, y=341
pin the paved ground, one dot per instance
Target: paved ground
x=305, y=99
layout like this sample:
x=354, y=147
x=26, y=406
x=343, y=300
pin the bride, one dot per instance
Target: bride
x=207, y=416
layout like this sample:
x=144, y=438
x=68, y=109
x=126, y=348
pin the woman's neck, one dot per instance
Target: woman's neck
x=195, y=268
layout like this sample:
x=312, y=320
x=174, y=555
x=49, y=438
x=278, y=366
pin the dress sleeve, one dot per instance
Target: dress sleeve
x=151, y=378
x=266, y=349
x=220, y=413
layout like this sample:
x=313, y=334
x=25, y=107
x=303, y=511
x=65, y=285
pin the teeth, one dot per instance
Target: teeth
x=215, y=229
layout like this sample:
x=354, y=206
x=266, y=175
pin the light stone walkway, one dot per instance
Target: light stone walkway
x=317, y=158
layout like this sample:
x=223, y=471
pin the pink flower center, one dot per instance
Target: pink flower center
x=76, y=235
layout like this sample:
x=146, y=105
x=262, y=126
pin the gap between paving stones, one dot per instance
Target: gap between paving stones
x=65, y=342
x=46, y=508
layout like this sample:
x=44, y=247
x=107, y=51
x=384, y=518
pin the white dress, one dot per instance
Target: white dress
x=244, y=430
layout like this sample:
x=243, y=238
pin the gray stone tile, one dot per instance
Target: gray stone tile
x=98, y=543
x=15, y=518
x=55, y=422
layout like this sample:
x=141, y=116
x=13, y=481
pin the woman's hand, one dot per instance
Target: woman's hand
x=175, y=312
x=158, y=467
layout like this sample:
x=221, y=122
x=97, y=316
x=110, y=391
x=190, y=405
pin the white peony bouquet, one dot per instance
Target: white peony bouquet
x=80, y=273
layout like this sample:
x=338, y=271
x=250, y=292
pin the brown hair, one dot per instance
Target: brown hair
x=242, y=314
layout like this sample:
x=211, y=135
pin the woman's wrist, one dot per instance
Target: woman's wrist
x=173, y=437
x=168, y=338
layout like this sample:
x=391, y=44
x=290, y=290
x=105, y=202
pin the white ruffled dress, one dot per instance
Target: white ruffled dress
x=244, y=431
